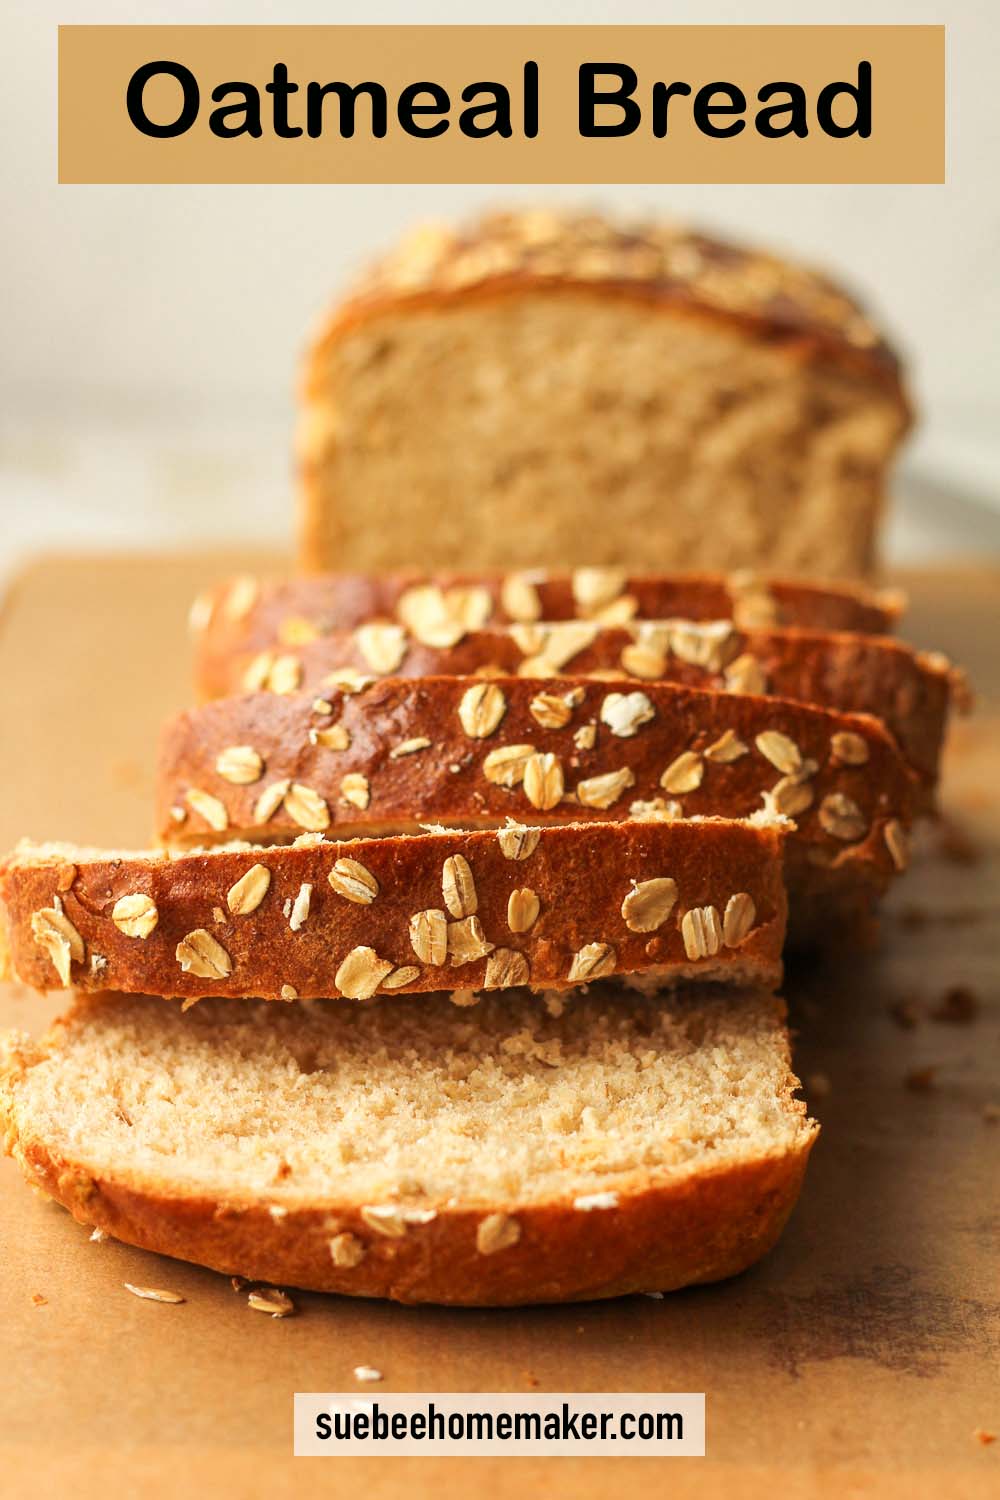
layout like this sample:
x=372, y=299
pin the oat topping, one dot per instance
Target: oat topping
x=543, y=781
x=588, y=1202
x=523, y=907
x=289, y=992
x=516, y=841
x=367, y=1374
x=441, y=618
x=789, y=798
x=505, y=969
x=505, y=767
x=603, y=791
x=382, y=646
x=409, y=747
x=53, y=931
x=459, y=887
x=585, y=737
x=202, y=955
x=738, y=919
x=241, y=596
x=269, y=1300
x=354, y=881
x=848, y=748
x=307, y=808
x=649, y=903
x=619, y=612
x=361, y=973
x=249, y=891
x=269, y=801
x=702, y=932
x=399, y=978
x=354, y=789
x=625, y=713
x=296, y=630
x=346, y=1251
x=897, y=841
x=684, y=774
x=429, y=936
x=593, y=961
x=348, y=680
x=385, y=1218
x=285, y=675
x=745, y=675
x=336, y=737
x=239, y=764
x=135, y=915
x=842, y=818
x=208, y=807
x=519, y=598
x=298, y=913
x=551, y=710
x=783, y=753
x=496, y=1232
x=593, y=588
x=467, y=941
x=641, y=660
x=655, y=810
x=482, y=707
x=711, y=644
x=727, y=748
x=152, y=1293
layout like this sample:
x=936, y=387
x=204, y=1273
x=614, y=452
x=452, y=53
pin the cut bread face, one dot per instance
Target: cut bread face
x=909, y=691
x=470, y=752
x=515, y=1153
x=548, y=908
x=711, y=410
x=243, y=615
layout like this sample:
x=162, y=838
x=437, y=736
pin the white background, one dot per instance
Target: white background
x=151, y=334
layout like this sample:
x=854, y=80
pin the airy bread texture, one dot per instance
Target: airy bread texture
x=512, y=1154
x=539, y=387
x=910, y=691
x=549, y=908
x=465, y=752
x=245, y=614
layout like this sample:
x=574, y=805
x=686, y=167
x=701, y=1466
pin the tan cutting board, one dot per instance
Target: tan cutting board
x=857, y=1360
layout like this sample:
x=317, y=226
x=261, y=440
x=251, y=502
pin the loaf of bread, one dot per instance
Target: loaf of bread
x=244, y=615
x=548, y=908
x=537, y=387
x=507, y=1155
x=471, y=752
x=910, y=691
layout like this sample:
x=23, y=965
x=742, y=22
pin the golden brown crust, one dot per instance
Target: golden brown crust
x=189, y=930
x=908, y=690
x=245, y=614
x=436, y=745
x=667, y=1232
x=675, y=270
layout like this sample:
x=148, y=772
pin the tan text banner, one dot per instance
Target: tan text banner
x=494, y=104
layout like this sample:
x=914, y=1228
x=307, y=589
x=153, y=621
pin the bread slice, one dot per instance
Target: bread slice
x=547, y=907
x=245, y=615
x=538, y=387
x=424, y=1153
x=468, y=752
x=910, y=691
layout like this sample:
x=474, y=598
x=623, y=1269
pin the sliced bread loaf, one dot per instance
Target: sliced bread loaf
x=246, y=614
x=538, y=386
x=909, y=691
x=423, y=1153
x=470, y=752
x=520, y=906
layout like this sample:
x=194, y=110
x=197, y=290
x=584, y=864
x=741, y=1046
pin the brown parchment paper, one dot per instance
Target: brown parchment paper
x=857, y=1360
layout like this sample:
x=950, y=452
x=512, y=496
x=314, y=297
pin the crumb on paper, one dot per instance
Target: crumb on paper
x=920, y=1080
x=238, y=1283
x=958, y=1006
x=905, y=1014
x=37, y=1300
x=98, y=1236
x=656, y=1296
x=819, y=1085
x=984, y=1436
x=991, y=1113
x=367, y=1374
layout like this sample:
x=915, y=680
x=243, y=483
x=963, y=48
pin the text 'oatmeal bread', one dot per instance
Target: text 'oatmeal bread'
x=541, y=387
x=910, y=691
x=247, y=614
x=548, y=908
x=424, y=1153
x=471, y=752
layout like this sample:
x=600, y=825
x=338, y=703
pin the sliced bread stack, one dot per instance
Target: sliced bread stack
x=478, y=894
